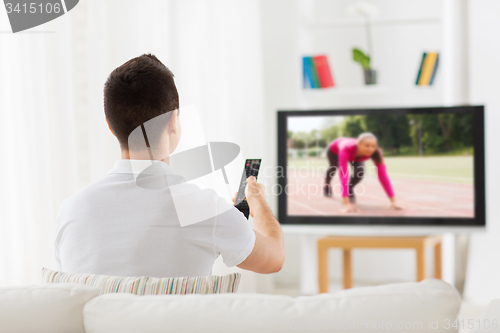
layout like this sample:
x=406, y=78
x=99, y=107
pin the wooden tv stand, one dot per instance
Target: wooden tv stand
x=420, y=244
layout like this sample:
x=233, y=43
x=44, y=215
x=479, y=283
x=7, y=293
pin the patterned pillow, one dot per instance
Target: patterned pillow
x=148, y=285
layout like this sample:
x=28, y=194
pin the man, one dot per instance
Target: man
x=117, y=226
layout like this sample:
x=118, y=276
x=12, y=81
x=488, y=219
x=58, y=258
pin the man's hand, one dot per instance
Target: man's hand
x=268, y=254
x=255, y=193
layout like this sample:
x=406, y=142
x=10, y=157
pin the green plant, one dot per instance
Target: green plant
x=362, y=58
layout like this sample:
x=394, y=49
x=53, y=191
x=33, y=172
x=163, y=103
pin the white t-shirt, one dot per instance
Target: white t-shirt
x=115, y=227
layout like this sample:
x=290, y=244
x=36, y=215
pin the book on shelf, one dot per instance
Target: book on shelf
x=324, y=72
x=317, y=73
x=428, y=68
x=310, y=76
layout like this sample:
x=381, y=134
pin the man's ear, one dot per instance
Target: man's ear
x=107, y=122
x=172, y=122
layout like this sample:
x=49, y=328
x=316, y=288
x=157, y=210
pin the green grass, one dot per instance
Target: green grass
x=456, y=169
x=412, y=152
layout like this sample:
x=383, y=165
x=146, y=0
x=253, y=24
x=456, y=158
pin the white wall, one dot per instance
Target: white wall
x=483, y=276
x=278, y=19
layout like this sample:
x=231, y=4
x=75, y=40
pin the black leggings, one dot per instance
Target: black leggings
x=357, y=174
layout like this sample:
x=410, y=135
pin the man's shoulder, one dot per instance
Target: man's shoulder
x=85, y=193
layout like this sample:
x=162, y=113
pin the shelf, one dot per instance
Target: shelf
x=399, y=36
x=369, y=96
x=355, y=22
x=371, y=89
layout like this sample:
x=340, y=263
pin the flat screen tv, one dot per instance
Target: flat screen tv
x=400, y=166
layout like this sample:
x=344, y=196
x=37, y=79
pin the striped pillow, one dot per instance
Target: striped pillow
x=148, y=285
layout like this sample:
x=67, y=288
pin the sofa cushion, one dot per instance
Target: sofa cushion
x=149, y=285
x=489, y=322
x=408, y=307
x=44, y=309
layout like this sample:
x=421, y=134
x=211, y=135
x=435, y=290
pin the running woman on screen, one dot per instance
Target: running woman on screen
x=356, y=151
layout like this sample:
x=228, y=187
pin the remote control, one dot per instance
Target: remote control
x=251, y=169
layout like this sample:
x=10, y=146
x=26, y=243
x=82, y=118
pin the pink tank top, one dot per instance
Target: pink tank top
x=345, y=149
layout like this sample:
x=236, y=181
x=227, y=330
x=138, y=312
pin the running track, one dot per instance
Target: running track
x=418, y=197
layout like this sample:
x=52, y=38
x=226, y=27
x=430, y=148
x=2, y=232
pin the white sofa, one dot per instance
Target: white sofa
x=71, y=308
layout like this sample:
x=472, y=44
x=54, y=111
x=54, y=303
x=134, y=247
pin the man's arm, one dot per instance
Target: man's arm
x=268, y=254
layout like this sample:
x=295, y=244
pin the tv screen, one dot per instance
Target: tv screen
x=405, y=166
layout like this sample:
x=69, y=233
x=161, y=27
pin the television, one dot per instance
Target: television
x=392, y=166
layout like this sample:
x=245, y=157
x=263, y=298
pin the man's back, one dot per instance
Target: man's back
x=115, y=227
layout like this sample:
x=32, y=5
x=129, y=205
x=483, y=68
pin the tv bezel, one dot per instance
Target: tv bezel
x=479, y=219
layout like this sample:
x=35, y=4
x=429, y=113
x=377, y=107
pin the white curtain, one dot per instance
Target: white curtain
x=39, y=165
x=54, y=139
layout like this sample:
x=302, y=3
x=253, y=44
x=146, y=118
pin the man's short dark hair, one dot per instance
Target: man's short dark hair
x=137, y=91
